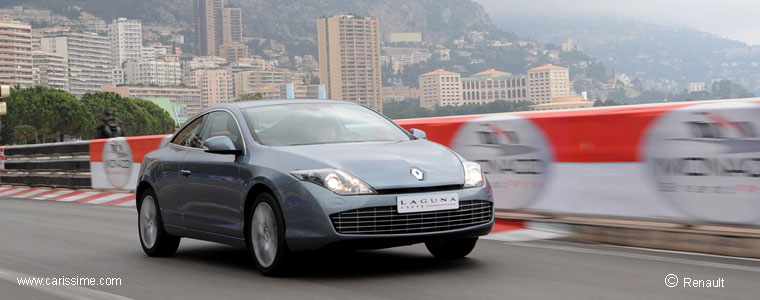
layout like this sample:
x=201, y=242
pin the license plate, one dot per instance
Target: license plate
x=429, y=202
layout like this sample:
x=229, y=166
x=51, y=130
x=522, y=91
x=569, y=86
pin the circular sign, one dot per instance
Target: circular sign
x=705, y=159
x=117, y=161
x=513, y=153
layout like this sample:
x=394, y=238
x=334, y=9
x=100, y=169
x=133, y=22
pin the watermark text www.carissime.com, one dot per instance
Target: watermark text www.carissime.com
x=673, y=280
x=69, y=281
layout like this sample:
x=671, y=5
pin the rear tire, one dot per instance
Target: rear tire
x=451, y=248
x=153, y=238
x=266, y=236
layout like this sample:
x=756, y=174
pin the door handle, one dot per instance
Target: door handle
x=185, y=172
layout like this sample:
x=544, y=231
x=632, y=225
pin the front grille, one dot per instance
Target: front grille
x=385, y=219
x=425, y=189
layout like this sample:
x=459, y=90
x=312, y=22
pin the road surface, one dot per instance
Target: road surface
x=49, y=239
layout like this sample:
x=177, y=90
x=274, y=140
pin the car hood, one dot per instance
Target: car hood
x=385, y=165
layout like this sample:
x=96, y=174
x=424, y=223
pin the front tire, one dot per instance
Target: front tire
x=451, y=248
x=154, y=239
x=266, y=232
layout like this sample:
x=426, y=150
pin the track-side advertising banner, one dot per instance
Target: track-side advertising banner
x=115, y=162
x=683, y=162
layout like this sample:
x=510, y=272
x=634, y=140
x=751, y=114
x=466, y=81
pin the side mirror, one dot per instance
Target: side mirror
x=418, y=133
x=220, y=145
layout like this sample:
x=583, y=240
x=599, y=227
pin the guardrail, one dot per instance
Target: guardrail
x=688, y=162
x=51, y=165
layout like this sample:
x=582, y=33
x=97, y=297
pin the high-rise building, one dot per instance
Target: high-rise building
x=349, y=59
x=491, y=85
x=232, y=25
x=15, y=53
x=161, y=72
x=51, y=70
x=216, y=86
x=440, y=88
x=88, y=56
x=216, y=25
x=208, y=21
x=548, y=82
x=126, y=40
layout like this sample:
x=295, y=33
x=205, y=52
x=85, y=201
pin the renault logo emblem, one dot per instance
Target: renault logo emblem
x=417, y=173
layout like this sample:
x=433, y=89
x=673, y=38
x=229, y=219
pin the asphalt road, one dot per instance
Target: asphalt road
x=53, y=239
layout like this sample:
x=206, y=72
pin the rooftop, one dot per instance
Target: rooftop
x=490, y=72
x=548, y=67
x=439, y=72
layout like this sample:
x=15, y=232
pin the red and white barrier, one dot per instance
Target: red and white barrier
x=115, y=163
x=687, y=161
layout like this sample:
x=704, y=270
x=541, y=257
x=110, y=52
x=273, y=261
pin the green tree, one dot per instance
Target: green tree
x=249, y=97
x=51, y=112
x=724, y=89
x=139, y=116
x=24, y=133
x=164, y=123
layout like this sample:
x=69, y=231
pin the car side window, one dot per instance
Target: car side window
x=222, y=123
x=190, y=135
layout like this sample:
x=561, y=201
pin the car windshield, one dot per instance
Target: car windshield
x=319, y=123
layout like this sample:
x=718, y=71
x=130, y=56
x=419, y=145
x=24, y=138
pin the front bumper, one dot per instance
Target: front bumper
x=307, y=209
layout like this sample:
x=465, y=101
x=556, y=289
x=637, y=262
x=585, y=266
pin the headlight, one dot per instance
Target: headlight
x=335, y=180
x=473, y=175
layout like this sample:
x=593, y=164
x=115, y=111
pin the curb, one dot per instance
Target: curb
x=709, y=239
x=120, y=198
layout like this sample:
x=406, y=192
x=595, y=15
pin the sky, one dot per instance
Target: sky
x=733, y=19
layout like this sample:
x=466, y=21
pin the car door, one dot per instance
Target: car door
x=213, y=197
x=170, y=182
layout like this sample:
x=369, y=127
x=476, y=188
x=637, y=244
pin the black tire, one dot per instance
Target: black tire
x=165, y=244
x=278, y=265
x=451, y=248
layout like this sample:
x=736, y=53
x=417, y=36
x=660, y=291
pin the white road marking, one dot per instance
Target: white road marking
x=66, y=292
x=686, y=253
x=643, y=256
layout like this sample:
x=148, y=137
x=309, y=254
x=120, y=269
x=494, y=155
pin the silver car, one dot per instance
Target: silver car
x=294, y=175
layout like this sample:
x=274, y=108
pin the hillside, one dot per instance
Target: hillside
x=666, y=55
x=295, y=20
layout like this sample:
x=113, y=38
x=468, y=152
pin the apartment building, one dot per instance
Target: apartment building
x=126, y=40
x=15, y=53
x=249, y=81
x=88, y=56
x=216, y=86
x=160, y=72
x=440, y=88
x=188, y=96
x=51, y=70
x=548, y=82
x=234, y=51
x=349, y=59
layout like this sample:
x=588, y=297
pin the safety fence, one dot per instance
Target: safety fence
x=687, y=162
